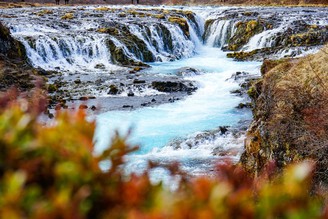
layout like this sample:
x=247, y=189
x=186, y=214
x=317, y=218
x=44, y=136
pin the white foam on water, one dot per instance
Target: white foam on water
x=210, y=106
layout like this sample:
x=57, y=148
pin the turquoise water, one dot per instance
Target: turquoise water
x=210, y=106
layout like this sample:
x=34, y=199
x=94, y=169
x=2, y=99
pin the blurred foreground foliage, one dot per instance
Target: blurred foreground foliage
x=50, y=171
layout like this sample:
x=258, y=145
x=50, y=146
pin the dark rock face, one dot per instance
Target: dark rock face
x=14, y=70
x=10, y=47
x=168, y=86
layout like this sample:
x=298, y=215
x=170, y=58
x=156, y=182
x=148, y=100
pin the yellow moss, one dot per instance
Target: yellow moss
x=68, y=16
x=110, y=30
x=251, y=25
x=187, y=13
x=314, y=26
x=178, y=20
x=102, y=9
x=102, y=30
x=43, y=12
x=158, y=16
x=166, y=12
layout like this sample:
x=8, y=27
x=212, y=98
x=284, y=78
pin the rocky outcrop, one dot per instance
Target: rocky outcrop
x=169, y=86
x=10, y=47
x=14, y=70
x=245, y=30
x=290, y=114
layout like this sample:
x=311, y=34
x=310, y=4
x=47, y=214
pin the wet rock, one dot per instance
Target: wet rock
x=137, y=81
x=130, y=93
x=10, y=47
x=145, y=104
x=127, y=106
x=98, y=82
x=187, y=71
x=237, y=92
x=77, y=81
x=93, y=108
x=113, y=90
x=244, y=105
x=182, y=22
x=100, y=66
x=245, y=30
x=169, y=86
x=223, y=129
x=52, y=88
x=67, y=16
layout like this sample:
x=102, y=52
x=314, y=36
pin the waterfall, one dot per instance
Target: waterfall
x=67, y=53
x=263, y=40
x=218, y=33
x=78, y=46
x=100, y=41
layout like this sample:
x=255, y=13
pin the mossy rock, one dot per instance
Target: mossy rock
x=9, y=46
x=44, y=12
x=51, y=88
x=182, y=22
x=67, y=16
x=109, y=30
x=245, y=30
x=158, y=16
x=103, y=9
x=122, y=14
x=113, y=90
x=242, y=56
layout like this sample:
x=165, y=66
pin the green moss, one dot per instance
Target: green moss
x=242, y=56
x=245, y=30
x=52, y=88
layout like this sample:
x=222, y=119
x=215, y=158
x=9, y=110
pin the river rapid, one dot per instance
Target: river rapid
x=94, y=48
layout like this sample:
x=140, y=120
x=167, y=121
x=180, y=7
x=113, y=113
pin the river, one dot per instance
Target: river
x=98, y=43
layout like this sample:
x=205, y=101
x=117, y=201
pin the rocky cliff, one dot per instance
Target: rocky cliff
x=14, y=69
x=290, y=114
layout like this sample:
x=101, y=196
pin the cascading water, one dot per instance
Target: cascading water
x=104, y=40
x=218, y=33
x=80, y=45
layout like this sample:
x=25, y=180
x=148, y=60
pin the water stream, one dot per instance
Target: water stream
x=211, y=106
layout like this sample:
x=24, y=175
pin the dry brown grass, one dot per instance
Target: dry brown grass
x=292, y=109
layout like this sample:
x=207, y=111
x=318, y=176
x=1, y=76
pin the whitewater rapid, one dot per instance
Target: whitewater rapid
x=211, y=106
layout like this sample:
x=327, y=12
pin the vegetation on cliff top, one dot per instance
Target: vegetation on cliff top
x=290, y=114
x=47, y=173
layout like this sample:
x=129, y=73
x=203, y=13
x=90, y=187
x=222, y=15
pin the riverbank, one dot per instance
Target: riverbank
x=290, y=114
